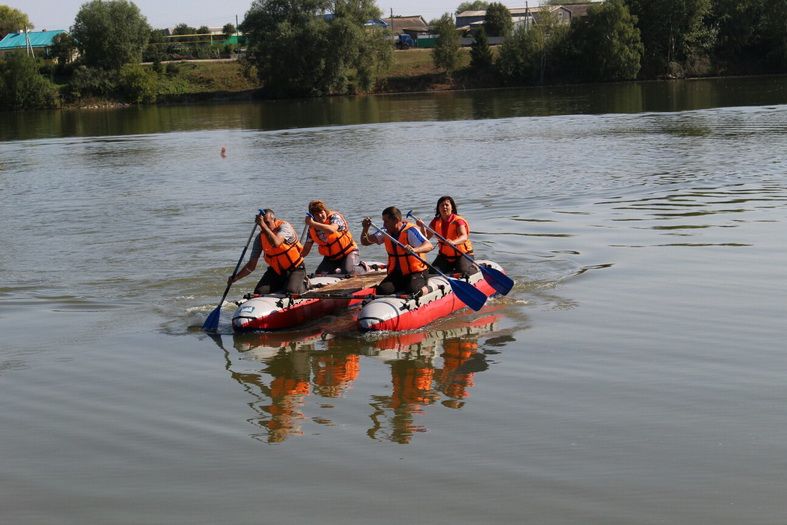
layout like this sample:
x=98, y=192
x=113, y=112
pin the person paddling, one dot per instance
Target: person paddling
x=330, y=231
x=455, y=228
x=279, y=245
x=406, y=274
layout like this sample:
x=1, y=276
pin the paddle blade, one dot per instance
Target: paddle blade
x=497, y=280
x=468, y=294
x=211, y=324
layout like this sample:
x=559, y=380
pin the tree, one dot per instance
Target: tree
x=534, y=54
x=497, y=20
x=773, y=37
x=607, y=43
x=228, y=30
x=22, y=86
x=519, y=56
x=300, y=52
x=667, y=29
x=751, y=36
x=445, y=54
x=203, y=30
x=184, y=29
x=110, y=34
x=63, y=48
x=480, y=53
x=477, y=5
x=12, y=20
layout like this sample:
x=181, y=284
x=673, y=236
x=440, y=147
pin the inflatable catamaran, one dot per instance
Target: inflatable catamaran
x=325, y=295
x=408, y=313
x=329, y=294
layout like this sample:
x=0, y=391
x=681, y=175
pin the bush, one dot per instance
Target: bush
x=22, y=87
x=481, y=59
x=137, y=84
x=445, y=54
x=91, y=82
x=173, y=69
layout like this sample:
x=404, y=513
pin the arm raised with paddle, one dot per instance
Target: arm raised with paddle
x=212, y=322
x=466, y=292
x=496, y=279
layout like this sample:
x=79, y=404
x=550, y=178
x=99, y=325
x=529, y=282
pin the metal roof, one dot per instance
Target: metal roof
x=37, y=39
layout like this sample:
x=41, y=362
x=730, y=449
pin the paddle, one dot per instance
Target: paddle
x=496, y=279
x=466, y=292
x=305, y=229
x=212, y=322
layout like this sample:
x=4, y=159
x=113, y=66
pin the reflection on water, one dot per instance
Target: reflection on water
x=426, y=367
x=628, y=97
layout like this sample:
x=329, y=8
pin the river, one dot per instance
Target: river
x=633, y=375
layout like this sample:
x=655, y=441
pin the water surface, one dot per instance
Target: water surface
x=635, y=374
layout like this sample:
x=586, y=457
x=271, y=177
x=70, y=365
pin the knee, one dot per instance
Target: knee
x=386, y=288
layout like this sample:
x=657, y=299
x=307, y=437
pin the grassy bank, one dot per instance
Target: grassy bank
x=209, y=80
x=411, y=70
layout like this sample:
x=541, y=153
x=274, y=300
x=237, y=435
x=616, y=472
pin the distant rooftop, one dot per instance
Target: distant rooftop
x=37, y=39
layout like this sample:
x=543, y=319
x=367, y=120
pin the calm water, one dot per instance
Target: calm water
x=636, y=373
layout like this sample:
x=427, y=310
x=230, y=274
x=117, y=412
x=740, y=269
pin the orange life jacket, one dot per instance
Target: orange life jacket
x=335, y=372
x=450, y=230
x=454, y=382
x=288, y=386
x=337, y=244
x=284, y=257
x=412, y=385
x=398, y=256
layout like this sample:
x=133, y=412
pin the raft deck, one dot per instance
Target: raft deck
x=345, y=288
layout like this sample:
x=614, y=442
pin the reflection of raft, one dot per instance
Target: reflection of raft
x=396, y=313
x=397, y=345
x=264, y=345
x=325, y=295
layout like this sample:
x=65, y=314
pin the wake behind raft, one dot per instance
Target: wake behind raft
x=328, y=294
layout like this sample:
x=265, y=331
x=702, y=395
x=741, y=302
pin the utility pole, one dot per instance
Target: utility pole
x=28, y=45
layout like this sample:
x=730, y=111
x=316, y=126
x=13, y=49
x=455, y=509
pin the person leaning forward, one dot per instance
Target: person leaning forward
x=330, y=231
x=279, y=245
x=406, y=274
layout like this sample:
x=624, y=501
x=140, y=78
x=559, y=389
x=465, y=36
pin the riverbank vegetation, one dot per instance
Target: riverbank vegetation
x=292, y=51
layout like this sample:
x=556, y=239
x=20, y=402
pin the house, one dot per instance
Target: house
x=579, y=10
x=468, y=20
x=40, y=42
x=412, y=25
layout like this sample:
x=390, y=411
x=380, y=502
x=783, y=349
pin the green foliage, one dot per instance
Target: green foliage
x=481, y=54
x=298, y=52
x=520, y=56
x=12, y=20
x=184, y=29
x=751, y=35
x=63, y=48
x=110, y=34
x=228, y=30
x=22, y=86
x=137, y=84
x=203, y=30
x=773, y=37
x=477, y=5
x=535, y=54
x=667, y=29
x=445, y=53
x=497, y=21
x=88, y=82
x=607, y=43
